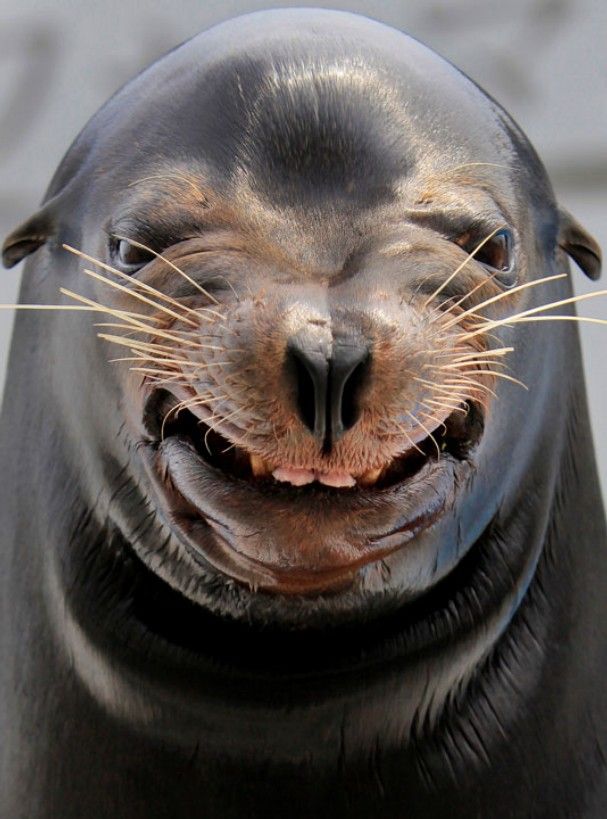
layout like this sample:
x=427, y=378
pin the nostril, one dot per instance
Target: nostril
x=305, y=397
x=310, y=368
x=328, y=385
x=349, y=369
x=350, y=403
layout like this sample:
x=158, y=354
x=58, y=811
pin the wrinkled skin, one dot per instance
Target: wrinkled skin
x=288, y=652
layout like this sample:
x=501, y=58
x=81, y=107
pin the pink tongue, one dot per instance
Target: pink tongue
x=301, y=477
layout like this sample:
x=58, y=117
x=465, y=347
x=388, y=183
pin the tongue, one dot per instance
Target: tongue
x=301, y=477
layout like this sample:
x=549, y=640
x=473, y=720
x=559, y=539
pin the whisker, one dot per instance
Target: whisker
x=586, y=319
x=444, y=403
x=139, y=296
x=451, y=407
x=150, y=359
x=408, y=437
x=517, y=317
x=461, y=266
x=504, y=294
x=171, y=264
x=429, y=413
x=473, y=384
x=212, y=427
x=172, y=379
x=230, y=285
x=116, y=312
x=142, y=346
x=465, y=366
x=151, y=331
x=199, y=334
x=48, y=307
x=114, y=325
x=470, y=293
x=178, y=362
x=197, y=400
x=189, y=182
x=426, y=430
x=172, y=362
x=428, y=417
x=506, y=377
x=445, y=385
x=132, y=330
x=135, y=282
x=72, y=307
x=152, y=371
x=499, y=351
x=476, y=164
x=463, y=348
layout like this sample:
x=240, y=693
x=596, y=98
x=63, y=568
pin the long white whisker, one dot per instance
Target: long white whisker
x=466, y=366
x=486, y=353
x=470, y=293
x=135, y=282
x=408, y=437
x=469, y=383
x=197, y=400
x=461, y=266
x=525, y=314
x=177, y=270
x=504, y=294
x=426, y=430
x=139, y=297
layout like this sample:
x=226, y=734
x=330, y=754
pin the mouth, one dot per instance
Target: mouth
x=283, y=528
x=456, y=436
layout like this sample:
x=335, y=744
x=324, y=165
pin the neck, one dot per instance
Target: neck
x=448, y=701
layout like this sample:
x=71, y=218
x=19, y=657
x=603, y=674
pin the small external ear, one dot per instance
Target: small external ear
x=27, y=238
x=579, y=244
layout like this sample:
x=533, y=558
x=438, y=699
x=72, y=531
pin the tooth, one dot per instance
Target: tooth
x=370, y=477
x=293, y=475
x=335, y=479
x=259, y=467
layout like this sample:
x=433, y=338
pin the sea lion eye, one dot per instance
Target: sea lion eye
x=496, y=255
x=128, y=256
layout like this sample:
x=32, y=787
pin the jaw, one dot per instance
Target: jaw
x=272, y=535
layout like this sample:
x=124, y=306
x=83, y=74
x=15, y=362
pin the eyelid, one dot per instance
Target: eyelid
x=116, y=243
x=494, y=249
x=507, y=234
x=453, y=220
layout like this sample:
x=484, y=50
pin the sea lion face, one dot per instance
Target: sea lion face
x=310, y=233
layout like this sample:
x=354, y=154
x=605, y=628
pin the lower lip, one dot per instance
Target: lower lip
x=205, y=507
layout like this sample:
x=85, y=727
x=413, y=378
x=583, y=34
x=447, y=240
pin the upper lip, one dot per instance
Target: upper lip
x=236, y=524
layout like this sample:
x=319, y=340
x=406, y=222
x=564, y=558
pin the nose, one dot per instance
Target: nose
x=329, y=384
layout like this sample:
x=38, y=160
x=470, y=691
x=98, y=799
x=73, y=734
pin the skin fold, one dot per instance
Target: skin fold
x=180, y=642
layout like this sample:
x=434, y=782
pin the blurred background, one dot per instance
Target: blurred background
x=544, y=60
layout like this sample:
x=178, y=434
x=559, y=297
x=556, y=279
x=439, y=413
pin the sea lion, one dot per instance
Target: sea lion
x=309, y=548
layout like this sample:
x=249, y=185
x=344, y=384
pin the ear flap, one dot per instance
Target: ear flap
x=582, y=248
x=27, y=238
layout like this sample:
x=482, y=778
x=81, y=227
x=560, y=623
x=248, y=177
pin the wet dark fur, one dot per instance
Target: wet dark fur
x=475, y=690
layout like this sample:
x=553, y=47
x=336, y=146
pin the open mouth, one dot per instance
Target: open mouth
x=457, y=436
x=274, y=527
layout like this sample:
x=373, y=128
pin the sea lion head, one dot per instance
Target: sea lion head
x=307, y=229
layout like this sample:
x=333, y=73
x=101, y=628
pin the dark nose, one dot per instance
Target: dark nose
x=328, y=385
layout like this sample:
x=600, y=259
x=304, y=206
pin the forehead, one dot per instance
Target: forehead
x=298, y=123
x=298, y=106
